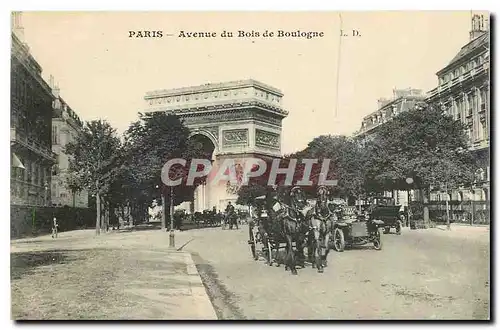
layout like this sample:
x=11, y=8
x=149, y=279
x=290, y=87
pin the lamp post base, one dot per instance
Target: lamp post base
x=171, y=240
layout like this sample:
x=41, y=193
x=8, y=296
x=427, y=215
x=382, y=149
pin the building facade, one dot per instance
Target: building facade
x=30, y=133
x=463, y=92
x=402, y=100
x=66, y=125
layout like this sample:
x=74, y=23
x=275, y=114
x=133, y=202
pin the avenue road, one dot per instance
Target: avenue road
x=422, y=274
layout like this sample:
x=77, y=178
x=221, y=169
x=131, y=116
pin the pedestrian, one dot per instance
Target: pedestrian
x=55, y=226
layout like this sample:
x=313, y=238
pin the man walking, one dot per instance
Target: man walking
x=230, y=216
x=55, y=226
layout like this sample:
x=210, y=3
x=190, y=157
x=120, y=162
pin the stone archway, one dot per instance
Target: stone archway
x=204, y=142
x=204, y=136
x=241, y=119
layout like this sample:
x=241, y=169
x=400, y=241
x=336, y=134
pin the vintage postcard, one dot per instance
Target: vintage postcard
x=250, y=165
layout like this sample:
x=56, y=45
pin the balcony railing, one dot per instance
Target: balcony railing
x=452, y=83
x=33, y=145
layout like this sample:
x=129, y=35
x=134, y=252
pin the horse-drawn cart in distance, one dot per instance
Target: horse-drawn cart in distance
x=384, y=209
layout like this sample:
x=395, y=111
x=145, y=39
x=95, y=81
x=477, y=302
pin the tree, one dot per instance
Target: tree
x=425, y=144
x=347, y=162
x=149, y=143
x=248, y=193
x=91, y=158
x=74, y=183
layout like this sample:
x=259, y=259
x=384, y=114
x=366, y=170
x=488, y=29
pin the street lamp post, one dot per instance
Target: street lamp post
x=409, y=181
x=447, y=208
x=163, y=222
x=172, y=235
x=472, y=204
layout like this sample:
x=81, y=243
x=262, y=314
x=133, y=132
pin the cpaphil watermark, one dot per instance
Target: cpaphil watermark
x=241, y=172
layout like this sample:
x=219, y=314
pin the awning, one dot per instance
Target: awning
x=16, y=162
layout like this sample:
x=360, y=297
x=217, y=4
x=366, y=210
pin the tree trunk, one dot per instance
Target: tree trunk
x=103, y=213
x=98, y=217
x=106, y=217
x=163, y=211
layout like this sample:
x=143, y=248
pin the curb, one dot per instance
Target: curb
x=198, y=289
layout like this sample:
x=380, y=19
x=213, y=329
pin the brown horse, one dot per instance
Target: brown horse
x=320, y=222
x=294, y=228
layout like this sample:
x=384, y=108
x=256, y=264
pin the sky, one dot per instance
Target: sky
x=102, y=73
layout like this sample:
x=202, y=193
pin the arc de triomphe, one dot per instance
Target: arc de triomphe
x=239, y=119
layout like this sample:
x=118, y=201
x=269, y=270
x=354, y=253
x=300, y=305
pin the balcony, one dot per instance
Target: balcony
x=458, y=80
x=31, y=144
x=479, y=145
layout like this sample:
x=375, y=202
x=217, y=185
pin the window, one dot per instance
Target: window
x=480, y=131
x=484, y=98
x=469, y=105
x=42, y=175
x=28, y=171
x=54, y=135
x=35, y=173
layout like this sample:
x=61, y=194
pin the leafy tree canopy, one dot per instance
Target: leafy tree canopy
x=424, y=144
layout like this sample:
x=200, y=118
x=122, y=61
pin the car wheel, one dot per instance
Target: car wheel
x=377, y=242
x=338, y=240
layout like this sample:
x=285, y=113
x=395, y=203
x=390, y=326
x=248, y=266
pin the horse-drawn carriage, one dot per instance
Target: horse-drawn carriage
x=278, y=224
x=257, y=231
x=230, y=221
x=295, y=224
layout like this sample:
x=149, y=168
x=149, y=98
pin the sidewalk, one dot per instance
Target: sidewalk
x=456, y=231
x=129, y=275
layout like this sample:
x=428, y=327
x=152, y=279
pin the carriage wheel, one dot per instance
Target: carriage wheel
x=269, y=254
x=377, y=242
x=338, y=240
x=251, y=241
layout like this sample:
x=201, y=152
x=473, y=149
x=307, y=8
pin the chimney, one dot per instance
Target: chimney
x=51, y=81
x=477, y=26
x=381, y=102
x=17, y=25
x=55, y=88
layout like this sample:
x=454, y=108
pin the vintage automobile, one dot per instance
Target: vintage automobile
x=352, y=228
x=384, y=208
